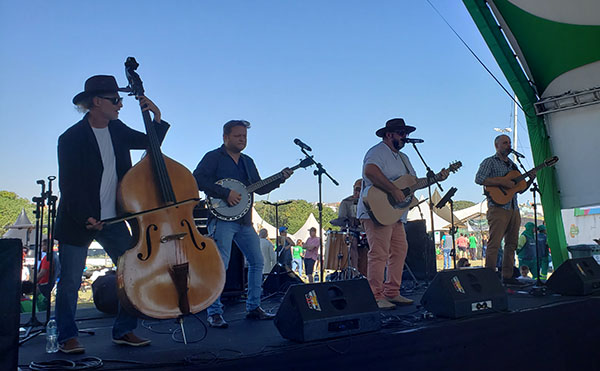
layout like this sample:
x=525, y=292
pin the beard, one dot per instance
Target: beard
x=397, y=144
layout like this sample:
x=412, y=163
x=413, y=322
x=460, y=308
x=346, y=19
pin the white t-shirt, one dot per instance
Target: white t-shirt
x=392, y=165
x=108, y=185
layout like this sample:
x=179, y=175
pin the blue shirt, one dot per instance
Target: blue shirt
x=218, y=164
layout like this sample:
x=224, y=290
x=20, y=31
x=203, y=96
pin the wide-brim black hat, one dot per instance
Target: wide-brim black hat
x=96, y=85
x=395, y=125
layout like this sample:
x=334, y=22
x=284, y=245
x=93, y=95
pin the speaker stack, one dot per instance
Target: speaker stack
x=326, y=310
x=10, y=287
x=576, y=277
x=465, y=292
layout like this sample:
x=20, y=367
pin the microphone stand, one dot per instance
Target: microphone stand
x=538, y=289
x=277, y=204
x=50, y=253
x=448, y=198
x=39, y=215
x=319, y=173
x=430, y=179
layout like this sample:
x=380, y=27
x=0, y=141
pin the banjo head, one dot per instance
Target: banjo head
x=221, y=209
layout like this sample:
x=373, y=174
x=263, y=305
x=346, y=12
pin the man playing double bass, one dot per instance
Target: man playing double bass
x=93, y=156
x=228, y=161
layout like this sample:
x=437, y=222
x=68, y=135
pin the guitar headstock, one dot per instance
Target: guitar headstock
x=306, y=162
x=551, y=161
x=454, y=166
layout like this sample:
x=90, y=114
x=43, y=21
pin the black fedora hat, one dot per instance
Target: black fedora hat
x=95, y=85
x=395, y=125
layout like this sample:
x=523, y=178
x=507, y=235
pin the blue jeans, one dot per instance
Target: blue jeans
x=298, y=263
x=224, y=233
x=447, y=258
x=115, y=239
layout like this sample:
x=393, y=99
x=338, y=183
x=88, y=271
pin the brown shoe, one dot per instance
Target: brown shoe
x=131, y=339
x=400, y=300
x=71, y=346
x=384, y=304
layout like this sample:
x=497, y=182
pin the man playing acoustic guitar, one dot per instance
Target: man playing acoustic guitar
x=383, y=164
x=504, y=220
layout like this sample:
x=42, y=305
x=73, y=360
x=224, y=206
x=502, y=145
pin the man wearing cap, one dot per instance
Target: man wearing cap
x=504, y=220
x=93, y=156
x=228, y=161
x=388, y=246
x=347, y=211
x=284, y=248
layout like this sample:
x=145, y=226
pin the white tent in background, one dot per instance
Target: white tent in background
x=303, y=233
x=259, y=223
x=21, y=229
x=445, y=212
x=423, y=208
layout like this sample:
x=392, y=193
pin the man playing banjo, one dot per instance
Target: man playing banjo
x=228, y=162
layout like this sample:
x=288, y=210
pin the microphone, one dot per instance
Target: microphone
x=412, y=140
x=516, y=153
x=302, y=145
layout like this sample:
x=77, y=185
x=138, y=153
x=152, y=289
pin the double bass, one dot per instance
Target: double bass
x=172, y=270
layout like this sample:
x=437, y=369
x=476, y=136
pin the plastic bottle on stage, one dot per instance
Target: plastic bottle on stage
x=51, y=337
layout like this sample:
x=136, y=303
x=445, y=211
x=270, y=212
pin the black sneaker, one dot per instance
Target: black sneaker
x=217, y=321
x=259, y=313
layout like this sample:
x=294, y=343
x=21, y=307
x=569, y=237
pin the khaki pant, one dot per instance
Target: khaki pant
x=503, y=224
x=388, y=246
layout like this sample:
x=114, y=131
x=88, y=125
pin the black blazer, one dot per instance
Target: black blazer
x=80, y=174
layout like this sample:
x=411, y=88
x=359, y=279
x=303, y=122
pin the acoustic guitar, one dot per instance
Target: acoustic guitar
x=222, y=210
x=502, y=195
x=384, y=209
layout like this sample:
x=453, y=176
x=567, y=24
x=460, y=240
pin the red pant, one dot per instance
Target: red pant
x=388, y=246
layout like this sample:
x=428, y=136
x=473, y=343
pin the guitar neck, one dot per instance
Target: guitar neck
x=261, y=183
x=424, y=182
x=523, y=176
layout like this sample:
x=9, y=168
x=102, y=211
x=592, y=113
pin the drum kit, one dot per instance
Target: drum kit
x=338, y=256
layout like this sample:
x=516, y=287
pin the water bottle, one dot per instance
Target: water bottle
x=51, y=337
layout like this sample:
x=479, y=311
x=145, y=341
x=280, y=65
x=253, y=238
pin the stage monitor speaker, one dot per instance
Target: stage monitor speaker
x=326, y=310
x=104, y=293
x=421, y=250
x=576, y=277
x=465, y=292
x=279, y=279
x=11, y=253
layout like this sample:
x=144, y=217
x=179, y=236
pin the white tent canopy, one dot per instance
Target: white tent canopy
x=21, y=229
x=423, y=208
x=303, y=233
x=259, y=223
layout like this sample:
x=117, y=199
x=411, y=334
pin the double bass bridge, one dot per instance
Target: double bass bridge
x=173, y=237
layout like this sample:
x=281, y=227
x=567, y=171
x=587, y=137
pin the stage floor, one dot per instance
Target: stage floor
x=555, y=332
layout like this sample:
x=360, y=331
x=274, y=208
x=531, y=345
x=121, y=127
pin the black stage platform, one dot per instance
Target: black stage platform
x=543, y=333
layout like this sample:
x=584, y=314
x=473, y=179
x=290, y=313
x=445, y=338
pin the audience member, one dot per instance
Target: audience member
x=268, y=251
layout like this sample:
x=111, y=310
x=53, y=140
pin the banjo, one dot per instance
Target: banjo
x=222, y=210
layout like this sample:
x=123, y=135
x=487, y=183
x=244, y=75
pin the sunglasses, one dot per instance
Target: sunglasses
x=113, y=100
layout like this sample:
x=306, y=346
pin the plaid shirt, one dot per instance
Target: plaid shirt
x=493, y=167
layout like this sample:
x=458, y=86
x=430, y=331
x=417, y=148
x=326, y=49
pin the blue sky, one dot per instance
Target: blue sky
x=328, y=72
